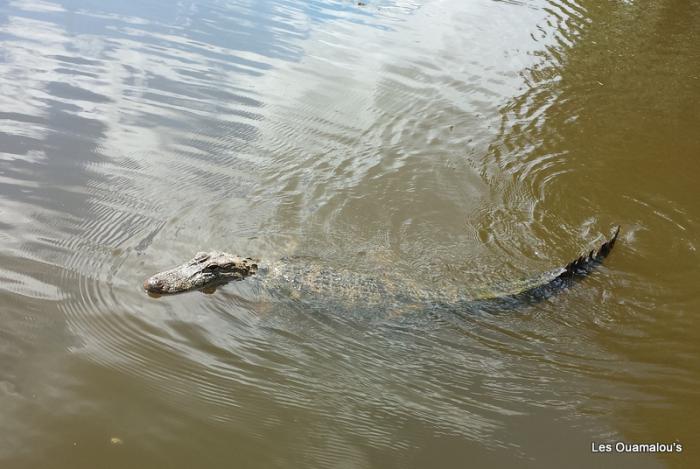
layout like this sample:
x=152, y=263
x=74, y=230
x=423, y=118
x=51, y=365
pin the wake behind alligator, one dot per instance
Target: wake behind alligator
x=208, y=270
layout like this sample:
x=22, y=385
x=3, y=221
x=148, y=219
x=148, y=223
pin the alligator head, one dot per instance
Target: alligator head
x=205, y=270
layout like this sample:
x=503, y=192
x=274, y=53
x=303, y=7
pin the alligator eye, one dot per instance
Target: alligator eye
x=227, y=266
x=213, y=267
x=201, y=256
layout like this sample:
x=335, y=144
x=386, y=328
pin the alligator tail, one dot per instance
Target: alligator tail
x=586, y=263
x=563, y=278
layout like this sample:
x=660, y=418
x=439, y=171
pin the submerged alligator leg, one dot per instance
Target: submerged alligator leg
x=552, y=282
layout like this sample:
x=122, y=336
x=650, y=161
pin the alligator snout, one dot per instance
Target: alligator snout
x=153, y=285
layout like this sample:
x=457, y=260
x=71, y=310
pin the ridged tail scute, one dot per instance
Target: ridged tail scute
x=584, y=264
x=559, y=279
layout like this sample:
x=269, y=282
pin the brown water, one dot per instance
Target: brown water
x=463, y=143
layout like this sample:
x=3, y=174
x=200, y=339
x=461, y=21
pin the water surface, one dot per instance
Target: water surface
x=461, y=144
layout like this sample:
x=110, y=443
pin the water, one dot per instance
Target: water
x=447, y=142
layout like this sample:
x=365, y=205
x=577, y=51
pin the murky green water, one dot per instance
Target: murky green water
x=447, y=142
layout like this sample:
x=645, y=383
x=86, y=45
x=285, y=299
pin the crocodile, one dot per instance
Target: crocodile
x=208, y=270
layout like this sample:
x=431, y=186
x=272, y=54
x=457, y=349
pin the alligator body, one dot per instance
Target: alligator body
x=207, y=270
